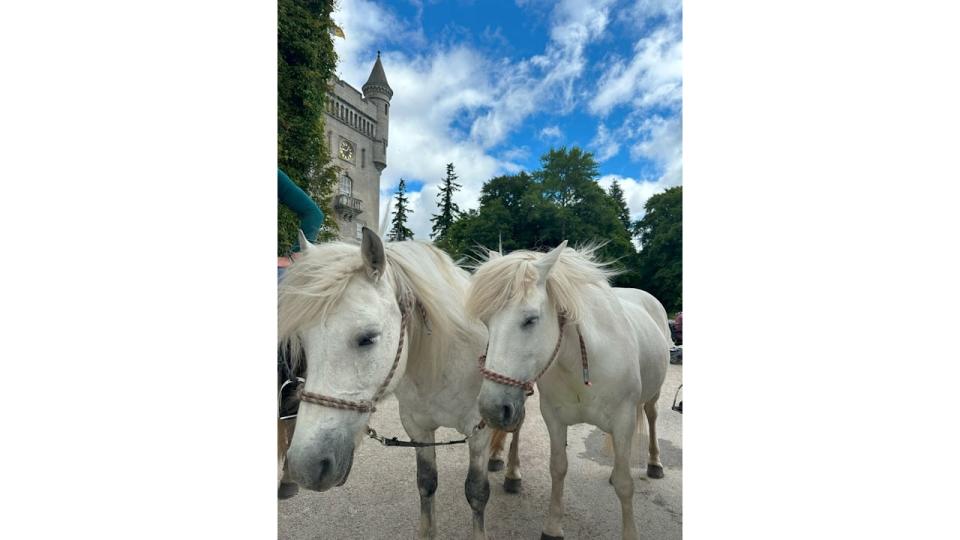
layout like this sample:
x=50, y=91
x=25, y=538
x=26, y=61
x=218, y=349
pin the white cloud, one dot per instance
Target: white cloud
x=605, y=145
x=653, y=77
x=524, y=87
x=551, y=132
x=452, y=103
x=659, y=140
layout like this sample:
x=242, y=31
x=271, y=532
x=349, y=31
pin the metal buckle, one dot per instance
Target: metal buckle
x=300, y=380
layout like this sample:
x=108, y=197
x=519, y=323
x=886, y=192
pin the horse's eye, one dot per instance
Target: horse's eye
x=367, y=340
x=530, y=321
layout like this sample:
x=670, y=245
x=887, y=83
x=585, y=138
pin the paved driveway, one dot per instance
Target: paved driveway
x=380, y=498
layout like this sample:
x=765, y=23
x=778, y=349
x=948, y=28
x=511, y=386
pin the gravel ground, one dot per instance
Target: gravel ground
x=380, y=498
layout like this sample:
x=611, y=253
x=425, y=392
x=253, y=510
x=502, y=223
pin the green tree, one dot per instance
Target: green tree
x=398, y=226
x=623, y=211
x=449, y=211
x=560, y=201
x=306, y=61
x=661, y=247
x=586, y=213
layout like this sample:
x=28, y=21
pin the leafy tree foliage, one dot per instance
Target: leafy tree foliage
x=623, y=211
x=560, y=201
x=398, y=226
x=449, y=211
x=306, y=61
x=661, y=242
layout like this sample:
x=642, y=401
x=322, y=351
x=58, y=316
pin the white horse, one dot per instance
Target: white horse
x=547, y=316
x=374, y=320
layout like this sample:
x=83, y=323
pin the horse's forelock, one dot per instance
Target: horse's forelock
x=419, y=273
x=503, y=281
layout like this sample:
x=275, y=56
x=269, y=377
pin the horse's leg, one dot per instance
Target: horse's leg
x=623, y=431
x=426, y=478
x=654, y=467
x=511, y=480
x=285, y=487
x=553, y=527
x=477, y=487
x=496, y=446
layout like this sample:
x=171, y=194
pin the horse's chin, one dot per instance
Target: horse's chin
x=346, y=474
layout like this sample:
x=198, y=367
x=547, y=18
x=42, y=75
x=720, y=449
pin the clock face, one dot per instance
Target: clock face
x=346, y=151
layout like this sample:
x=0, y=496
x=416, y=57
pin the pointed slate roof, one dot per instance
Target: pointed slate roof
x=378, y=79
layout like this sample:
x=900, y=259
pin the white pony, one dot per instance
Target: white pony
x=349, y=310
x=542, y=311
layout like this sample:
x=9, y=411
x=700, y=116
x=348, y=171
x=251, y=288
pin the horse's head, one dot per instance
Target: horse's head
x=339, y=307
x=509, y=293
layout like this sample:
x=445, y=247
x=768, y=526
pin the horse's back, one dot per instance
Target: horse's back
x=653, y=336
x=649, y=303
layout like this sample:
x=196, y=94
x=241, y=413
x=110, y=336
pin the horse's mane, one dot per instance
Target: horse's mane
x=501, y=281
x=313, y=286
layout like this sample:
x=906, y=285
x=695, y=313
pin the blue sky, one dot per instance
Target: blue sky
x=492, y=85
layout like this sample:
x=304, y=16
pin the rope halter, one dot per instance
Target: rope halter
x=527, y=386
x=364, y=406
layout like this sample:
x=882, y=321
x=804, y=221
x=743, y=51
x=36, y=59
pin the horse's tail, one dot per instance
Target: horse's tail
x=640, y=432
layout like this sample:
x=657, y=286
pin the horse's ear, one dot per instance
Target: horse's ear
x=305, y=244
x=545, y=264
x=374, y=258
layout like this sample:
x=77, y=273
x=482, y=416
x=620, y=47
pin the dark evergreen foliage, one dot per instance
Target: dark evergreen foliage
x=449, y=211
x=398, y=225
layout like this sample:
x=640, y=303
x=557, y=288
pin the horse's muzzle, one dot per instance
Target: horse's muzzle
x=324, y=464
x=501, y=407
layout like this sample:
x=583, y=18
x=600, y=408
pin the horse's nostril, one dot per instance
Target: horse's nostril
x=506, y=414
x=323, y=468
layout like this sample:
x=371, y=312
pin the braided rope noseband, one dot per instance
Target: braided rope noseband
x=362, y=406
x=527, y=386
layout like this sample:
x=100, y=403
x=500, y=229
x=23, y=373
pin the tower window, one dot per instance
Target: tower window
x=346, y=185
x=386, y=108
x=363, y=158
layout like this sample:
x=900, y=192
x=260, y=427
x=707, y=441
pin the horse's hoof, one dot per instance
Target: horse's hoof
x=545, y=536
x=287, y=490
x=495, y=465
x=654, y=471
x=512, y=485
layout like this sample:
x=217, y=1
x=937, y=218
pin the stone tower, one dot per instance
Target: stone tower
x=378, y=92
x=357, y=127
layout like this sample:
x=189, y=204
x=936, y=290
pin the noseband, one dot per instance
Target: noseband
x=363, y=406
x=527, y=386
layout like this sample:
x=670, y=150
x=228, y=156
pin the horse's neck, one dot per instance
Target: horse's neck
x=602, y=320
x=436, y=358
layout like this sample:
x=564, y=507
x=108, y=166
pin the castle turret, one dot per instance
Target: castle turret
x=377, y=91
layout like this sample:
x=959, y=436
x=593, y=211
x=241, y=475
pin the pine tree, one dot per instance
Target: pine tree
x=398, y=227
x=449, y=211
x=623, y=212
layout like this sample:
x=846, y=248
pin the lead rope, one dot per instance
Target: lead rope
x=527, y=386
